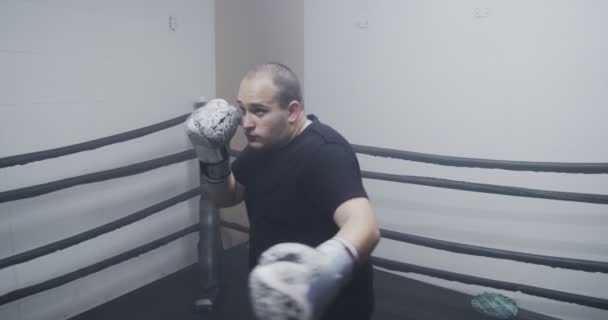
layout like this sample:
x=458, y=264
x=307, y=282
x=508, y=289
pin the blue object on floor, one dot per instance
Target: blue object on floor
x=495, y=305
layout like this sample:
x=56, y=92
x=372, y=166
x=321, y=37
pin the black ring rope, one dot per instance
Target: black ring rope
x=535, y=291
x=446, y=275
x=234, y=226
x=586, y=168
x=87, y=235
x=90, y=145
x=489, y=188
x=555, y=262
x=45, y=188
x=68, y=277
x=40, y=189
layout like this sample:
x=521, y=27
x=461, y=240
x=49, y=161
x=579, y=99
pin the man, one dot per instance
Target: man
x=312, y=226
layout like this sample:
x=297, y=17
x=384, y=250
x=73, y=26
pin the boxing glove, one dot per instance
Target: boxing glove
x=210, y=128
x=295, y=281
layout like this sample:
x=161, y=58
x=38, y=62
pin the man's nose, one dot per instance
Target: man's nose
x=246, y=121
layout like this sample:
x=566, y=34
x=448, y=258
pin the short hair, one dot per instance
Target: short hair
x=286, y=81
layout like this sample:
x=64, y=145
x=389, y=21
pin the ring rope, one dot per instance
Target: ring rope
x=40, y=189
x=68, y=277
x=234, y=226
x=467, y=279
x=585, y=168
x=555, y=262
x=87, y=235
x=489, y=188
x=531, y=290
x=36, y=190
x=90, y=145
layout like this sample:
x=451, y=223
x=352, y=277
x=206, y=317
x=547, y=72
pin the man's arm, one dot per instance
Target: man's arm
x=295, y=281
x=358, y=225
x=210, y=128
x=226, y=193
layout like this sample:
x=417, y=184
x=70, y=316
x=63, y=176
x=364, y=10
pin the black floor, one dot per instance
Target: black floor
x=397, y=298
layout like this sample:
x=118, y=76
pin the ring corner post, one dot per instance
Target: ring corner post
x=209, y=252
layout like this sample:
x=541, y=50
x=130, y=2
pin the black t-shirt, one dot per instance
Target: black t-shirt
x=291, y=195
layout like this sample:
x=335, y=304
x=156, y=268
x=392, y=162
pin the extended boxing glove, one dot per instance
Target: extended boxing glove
x=294, y=281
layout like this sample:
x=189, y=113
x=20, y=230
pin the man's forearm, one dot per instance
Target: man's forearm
x=358, y=225
x=225, y=193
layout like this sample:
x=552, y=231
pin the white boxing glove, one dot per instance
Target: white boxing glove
x=294, y=281
x=210, y=128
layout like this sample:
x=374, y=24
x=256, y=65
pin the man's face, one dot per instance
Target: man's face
x=265, y=123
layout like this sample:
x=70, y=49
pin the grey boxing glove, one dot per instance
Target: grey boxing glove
x=210, y=129
x=294, y=281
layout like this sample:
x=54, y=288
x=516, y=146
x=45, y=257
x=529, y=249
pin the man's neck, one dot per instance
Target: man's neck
x=302, y=124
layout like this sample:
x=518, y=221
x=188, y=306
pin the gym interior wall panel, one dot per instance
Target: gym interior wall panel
x=74, y=71
x=509, y=80
x=249, y=33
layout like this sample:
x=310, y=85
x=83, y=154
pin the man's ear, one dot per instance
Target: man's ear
x=294, y=108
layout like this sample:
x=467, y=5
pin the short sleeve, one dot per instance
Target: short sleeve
x=335, y=177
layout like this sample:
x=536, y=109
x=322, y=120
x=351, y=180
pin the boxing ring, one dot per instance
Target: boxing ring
x=221, y=274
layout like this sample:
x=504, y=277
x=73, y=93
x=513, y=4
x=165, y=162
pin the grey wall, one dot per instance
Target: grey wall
x=253, y=32
x=74, y=71
x=250, y=33
x=512, y=80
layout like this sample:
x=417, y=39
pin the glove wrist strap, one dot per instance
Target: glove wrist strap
x=349, y=247
x=218, y=171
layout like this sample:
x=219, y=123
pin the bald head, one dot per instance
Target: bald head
x=284, y=79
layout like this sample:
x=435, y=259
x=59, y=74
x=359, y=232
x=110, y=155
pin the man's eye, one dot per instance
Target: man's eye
x=259, y=112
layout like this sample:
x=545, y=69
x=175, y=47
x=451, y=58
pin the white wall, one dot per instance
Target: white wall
x=512, y=80
x=74, y=71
